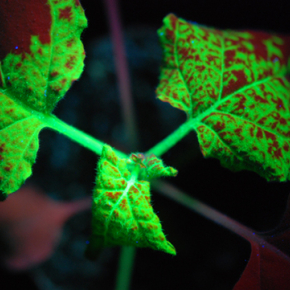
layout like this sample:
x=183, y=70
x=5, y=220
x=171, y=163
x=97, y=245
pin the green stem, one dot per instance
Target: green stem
x=96, y=146
x=125, y=268
x=76, y=135
x=163, y=146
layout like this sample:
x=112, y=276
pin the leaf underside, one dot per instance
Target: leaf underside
x=122, y=213
x=233, y=86
x=40, y=56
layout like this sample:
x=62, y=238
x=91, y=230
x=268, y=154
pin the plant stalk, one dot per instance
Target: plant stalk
x=125, y=268
x=163, y=146
x=202, y=209
x=76, y=135
x=122, y=72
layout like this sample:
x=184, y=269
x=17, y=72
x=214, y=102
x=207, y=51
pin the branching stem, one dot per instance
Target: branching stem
x=77, y=135
x=163, y=146
x=96, y=145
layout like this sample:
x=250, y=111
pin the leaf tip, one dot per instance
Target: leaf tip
x=172, y=171
x=170, y=249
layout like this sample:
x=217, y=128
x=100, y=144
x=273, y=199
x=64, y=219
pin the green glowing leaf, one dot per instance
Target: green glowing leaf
x=122, y=213
x=150, y=166
x=234, y=89
x=40, y=56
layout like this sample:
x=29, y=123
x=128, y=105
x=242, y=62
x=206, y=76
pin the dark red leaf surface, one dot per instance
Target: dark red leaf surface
x=35, y=21
x=269, y=264
x=27, y=18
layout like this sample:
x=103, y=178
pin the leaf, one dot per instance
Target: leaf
x=122, y=211
x=269, y=264
x=31, y=224
x=234, y=89
x=151, y=166
x=40, y=56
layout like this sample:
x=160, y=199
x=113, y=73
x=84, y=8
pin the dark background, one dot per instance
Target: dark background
x=208, y=256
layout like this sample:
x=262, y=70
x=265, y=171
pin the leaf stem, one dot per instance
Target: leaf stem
x=204, y=210
x=212, y=214
x=163, y=146
x=125, y=268
x=122, y=71
x=76, y=135
x=96, y=145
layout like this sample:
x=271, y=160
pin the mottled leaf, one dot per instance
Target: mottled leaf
x=150, y=166
x=122, y=211
x=40, y=56
x=234, y=88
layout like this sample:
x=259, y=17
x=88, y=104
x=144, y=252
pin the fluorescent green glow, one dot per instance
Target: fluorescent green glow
x=18, y=144
x=39, y=79
x=32, y=82
x=125, y=268
x=233, y=88
x=163, y=146
x=76, y=135
x=122, y=212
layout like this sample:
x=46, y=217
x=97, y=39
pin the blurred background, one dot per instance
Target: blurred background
x=208, y=256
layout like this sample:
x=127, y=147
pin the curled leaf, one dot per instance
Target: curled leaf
x=151, y=166
x=122, y=212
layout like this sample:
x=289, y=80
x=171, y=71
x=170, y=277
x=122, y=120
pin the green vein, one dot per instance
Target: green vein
x=223, y=67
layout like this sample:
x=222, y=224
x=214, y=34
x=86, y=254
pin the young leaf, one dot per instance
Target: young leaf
x=150, y=166
x=40, y=56
x=122, y=213
x=269, y=264
x=234, y=89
